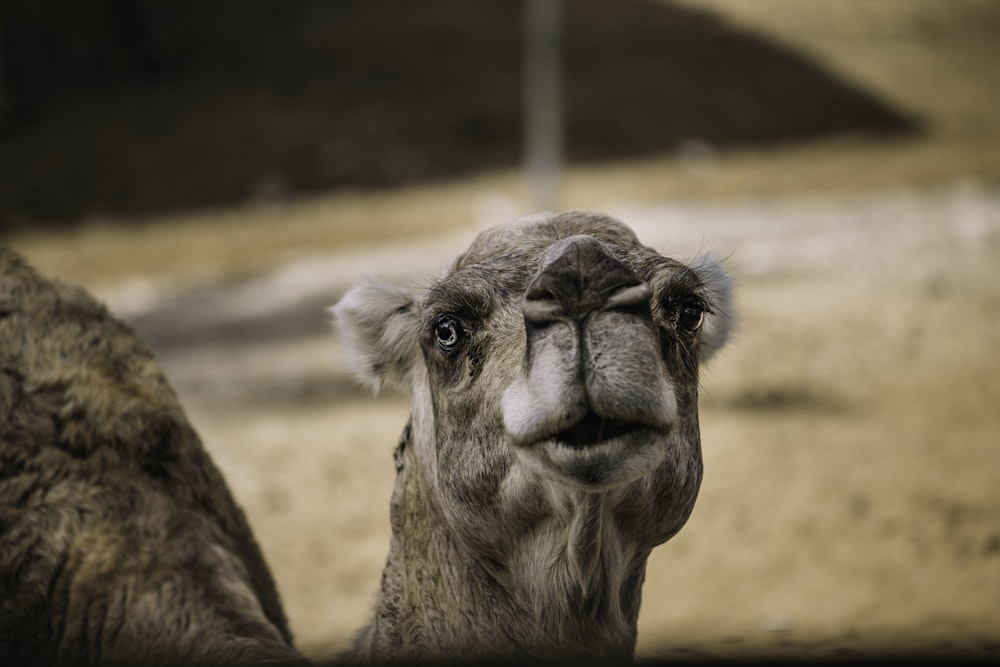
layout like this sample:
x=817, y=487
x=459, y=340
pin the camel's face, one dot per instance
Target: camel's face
x=558, y=347
x=593, y=400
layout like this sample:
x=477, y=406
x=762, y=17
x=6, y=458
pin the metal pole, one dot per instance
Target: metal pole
x=543, y=103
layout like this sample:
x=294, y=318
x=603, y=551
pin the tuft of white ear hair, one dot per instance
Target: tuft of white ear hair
x=377, y=324
x=721, y=321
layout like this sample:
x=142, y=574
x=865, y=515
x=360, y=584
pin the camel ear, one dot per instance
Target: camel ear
x=720, y=321
x=377, y=325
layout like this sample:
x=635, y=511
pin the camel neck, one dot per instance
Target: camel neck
x=565, y=586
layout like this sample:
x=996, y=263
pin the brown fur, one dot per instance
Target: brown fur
x=554, y=437
x=119, y=540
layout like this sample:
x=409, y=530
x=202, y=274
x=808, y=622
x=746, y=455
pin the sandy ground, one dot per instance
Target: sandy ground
x=851, y=430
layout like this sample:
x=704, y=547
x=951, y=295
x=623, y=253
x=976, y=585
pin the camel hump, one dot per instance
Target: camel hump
x=121, y=539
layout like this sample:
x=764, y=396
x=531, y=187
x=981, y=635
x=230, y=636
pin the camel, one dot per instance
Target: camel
x=553, y=439
x=119, y=540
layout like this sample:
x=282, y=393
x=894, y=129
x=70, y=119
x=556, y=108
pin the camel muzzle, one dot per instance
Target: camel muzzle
x=579, y=280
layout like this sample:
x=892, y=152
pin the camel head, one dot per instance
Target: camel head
x=557, y=352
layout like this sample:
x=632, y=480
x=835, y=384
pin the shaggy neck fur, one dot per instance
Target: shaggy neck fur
x=565, y=585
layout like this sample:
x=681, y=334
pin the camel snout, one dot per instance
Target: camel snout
x=579, y=279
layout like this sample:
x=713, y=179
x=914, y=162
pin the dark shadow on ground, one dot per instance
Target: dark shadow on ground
x=139, y=107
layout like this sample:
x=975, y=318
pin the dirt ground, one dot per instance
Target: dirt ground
x=851, y=431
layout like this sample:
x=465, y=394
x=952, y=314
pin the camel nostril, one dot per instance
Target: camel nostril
x=582, y=279
x=544, y=288
x=628, y=297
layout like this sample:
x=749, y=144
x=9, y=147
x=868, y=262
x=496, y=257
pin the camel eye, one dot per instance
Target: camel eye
x=449, y=332
x=691, y=316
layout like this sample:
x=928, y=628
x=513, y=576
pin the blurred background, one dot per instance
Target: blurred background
x=219, y=172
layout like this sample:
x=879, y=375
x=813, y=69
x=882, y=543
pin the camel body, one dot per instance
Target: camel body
x=119, y=540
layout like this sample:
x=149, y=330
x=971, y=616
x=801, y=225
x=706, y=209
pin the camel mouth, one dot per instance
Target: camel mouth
x=598, y=453
x=592, y=429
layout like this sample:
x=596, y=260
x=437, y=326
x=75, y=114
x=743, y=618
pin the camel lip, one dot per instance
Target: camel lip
x=597, y=453
x=592, y=429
